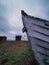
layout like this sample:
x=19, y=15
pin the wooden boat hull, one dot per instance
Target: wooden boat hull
x=38, y=36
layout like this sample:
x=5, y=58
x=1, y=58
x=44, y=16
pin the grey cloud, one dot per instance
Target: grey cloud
x=45, y=8
x=4, y=27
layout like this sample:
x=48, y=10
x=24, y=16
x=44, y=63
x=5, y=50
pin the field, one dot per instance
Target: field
x=16, y=53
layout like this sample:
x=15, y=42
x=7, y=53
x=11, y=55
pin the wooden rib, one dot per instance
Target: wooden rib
x=42, y=46
x=40, y=26
x=40, y=32
x=43, y=53
x=41, y=40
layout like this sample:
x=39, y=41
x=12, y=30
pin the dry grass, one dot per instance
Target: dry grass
x=15, y=53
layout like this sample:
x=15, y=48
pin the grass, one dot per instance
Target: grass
x=15, y=53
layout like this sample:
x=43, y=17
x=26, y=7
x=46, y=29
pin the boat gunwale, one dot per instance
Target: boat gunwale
x=36, y=18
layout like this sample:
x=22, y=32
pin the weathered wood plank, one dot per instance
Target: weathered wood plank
x=38, y=35
x=40, y=29
x=34, y=21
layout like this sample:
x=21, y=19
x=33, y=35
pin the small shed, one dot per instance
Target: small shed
x=3, y=38
x=18, y=38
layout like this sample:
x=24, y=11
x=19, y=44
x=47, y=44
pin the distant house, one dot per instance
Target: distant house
x=18, y=38
x=3, y=38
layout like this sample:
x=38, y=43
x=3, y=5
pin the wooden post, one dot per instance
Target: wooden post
x=3, y=38
x=18, y=38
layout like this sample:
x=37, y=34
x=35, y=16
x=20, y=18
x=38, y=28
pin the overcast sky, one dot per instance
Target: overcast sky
x=10, y=14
